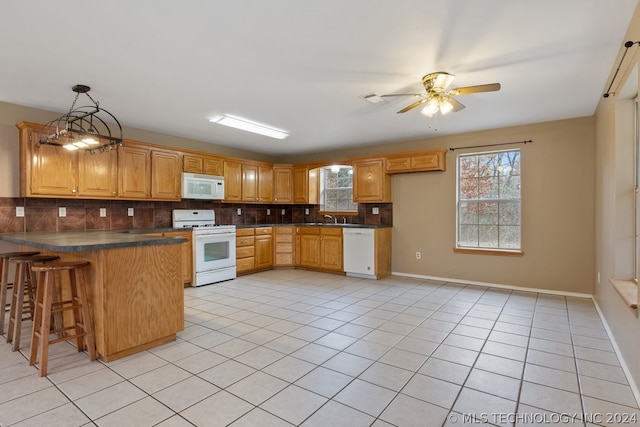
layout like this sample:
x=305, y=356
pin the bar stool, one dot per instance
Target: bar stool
x=24, y=285
x=45, y=306
x=4, y=281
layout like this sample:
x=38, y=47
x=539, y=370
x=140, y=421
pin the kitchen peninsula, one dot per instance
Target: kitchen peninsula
x=134, y=284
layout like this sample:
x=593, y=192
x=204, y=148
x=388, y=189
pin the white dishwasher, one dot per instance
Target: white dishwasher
x=359, y=252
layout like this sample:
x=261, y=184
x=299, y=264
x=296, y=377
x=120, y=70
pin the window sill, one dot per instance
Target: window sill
x=628, y=290
x=495, y=252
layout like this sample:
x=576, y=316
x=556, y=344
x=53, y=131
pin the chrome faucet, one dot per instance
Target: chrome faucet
x=334, y=218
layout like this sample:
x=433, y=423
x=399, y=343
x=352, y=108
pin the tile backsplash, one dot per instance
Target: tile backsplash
x=42, y=214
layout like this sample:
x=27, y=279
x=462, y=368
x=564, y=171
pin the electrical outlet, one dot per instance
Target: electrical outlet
x=20, y=211
x=375, y=211
x=239, y=211
x=268, y=212
x=130, y=212
x=306, y=211
x=103, y=212
x=418, y=255
x=283, y=211
x=62, y=212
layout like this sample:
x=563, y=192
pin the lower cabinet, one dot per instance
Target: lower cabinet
x=283, y=246
x=254, y=249
x=319, y=248
x=187, y=255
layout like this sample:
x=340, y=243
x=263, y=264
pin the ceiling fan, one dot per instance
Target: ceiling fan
x=438, y=98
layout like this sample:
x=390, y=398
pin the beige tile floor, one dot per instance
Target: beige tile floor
x=292, y=347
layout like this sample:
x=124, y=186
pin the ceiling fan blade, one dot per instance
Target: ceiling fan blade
x=491, y=87
x=403, y=94
x=412, y=106
x=457, y=106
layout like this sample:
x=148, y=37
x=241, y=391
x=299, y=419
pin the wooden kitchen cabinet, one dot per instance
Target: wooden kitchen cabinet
x=245, y=250
x=207, y=165
x=51, y=171
x=306, y=185
x=263, y=248
x=134, y=165
x=282, y=183
x=232, y=181
x=283, y=246
x=187, y=254
x=257, y=183
x=417, y=161
x=319, y=248
x=166, y=175
x=98, y=174
x=253, y=249
x=370, y=182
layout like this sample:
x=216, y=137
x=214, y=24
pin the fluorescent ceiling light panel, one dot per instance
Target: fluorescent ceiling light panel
x=249, y=126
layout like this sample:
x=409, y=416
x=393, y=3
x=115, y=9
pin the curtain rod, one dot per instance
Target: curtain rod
x=492, y=145
x=627, y=45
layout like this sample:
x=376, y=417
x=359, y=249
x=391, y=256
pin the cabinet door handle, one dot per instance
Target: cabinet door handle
x=73, y=191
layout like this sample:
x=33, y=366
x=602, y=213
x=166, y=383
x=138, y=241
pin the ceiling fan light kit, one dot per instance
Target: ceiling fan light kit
x=249, y=126
x=437, y=98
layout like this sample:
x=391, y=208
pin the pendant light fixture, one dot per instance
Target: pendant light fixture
x=89, y=127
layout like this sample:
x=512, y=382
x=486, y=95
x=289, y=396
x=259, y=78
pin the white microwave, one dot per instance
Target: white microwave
x=198, y=186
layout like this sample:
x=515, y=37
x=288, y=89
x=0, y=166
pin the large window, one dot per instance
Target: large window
x=336, y=188
x=489, y=200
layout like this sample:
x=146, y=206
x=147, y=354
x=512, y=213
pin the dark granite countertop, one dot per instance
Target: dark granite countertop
x=76, y=241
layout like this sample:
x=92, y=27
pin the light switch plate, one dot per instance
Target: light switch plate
x=130, y=211
x=62, y=212
x=103, y=212
x=20, y=211
x=375, y=211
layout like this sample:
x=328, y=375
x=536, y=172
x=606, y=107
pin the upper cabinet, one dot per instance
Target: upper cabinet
x=257, y=182
x=51, y=171
x=134, y=171
x=305, y=185
x=370, y=182
x=417, y=161
x=232, y=181
x=166, y=172
x=282, y=183
x=208, y=165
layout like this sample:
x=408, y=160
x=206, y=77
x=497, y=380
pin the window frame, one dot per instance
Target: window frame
x=488, y=250
x=322, y=194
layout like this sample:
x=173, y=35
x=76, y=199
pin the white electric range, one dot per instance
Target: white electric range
x=214, y=246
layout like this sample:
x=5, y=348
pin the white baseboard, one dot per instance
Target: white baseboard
x=616, y=349
x=496, y=285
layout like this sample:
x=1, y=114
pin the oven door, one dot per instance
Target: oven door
x=214, y=251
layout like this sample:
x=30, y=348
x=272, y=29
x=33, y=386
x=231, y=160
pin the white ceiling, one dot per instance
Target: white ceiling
x=168, y=66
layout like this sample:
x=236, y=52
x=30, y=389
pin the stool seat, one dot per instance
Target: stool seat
x=24, y=285
x=81, y=328
x=4, y=280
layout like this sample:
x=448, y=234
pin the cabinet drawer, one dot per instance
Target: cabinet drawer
x=284, y=248
x=283, y=230
x=244, y=241
x=263, y=231
x=244, y=264
x=284, y=259
x=244, y=232
x=244, y=252
x=284, y=238
x=331, y=231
